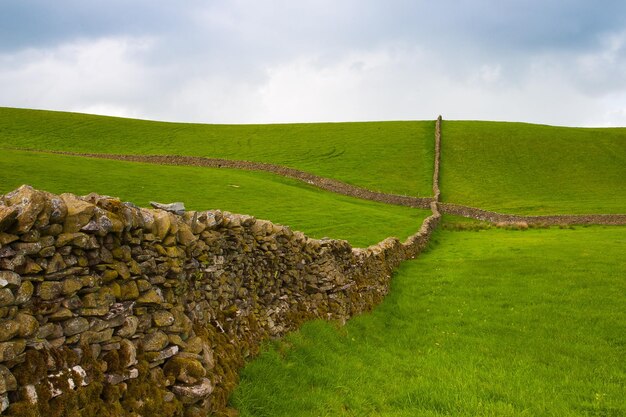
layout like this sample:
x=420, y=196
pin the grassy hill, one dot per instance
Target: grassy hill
x=393, y=157
x=533, y=169
x=495, y=323
x=315, y=212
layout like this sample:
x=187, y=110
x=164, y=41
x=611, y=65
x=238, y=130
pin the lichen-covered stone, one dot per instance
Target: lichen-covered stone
x=61, y=314
x=9, y=279
x=79, y=213
x=91, y=337
x=129, y=291
x=8, y=329
x=152, y=296
x=49, y=290
x=75, y=326
x=28, y=324
x=27, y=248
x=30, y=203
x=163, y=318
x=6, y=297
x=184, y=369
x=56, y=264
x=10, y=350
x=71, y=285
x=194, y=393
x=8, y=216
x=154, y=342
x=129, y=328
x=7, y=380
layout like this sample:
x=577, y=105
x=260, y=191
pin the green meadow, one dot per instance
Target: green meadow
x=393, y=157
x=533, y=169
x=489, y=323
x=317, y=213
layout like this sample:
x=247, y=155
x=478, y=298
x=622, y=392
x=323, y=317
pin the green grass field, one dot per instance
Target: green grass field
x=490, y=323
x=532, y=169
x=393, y=157
x=317, y=213
x=486, y=323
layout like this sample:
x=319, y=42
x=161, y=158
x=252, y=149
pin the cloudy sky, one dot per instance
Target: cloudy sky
x=243, y=61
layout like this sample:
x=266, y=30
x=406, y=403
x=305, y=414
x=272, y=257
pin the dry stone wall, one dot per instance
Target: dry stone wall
x=547, y=220
x=113, y=310
x=327, y=184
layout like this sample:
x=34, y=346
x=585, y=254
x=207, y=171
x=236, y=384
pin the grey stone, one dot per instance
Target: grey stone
x=190, y=394
x=7, y=380
x=9, y=279
x=155, y=342
x=176, y=208
x=75, y=326
x=6, y=297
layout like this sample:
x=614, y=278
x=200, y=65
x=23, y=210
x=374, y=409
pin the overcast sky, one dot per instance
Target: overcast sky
x=558, y=62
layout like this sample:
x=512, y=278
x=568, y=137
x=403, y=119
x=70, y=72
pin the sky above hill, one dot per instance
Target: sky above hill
x=242, y=61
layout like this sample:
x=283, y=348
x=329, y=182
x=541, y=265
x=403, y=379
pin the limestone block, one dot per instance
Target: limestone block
x=9, y=279
x=10, y=350
x=79, y=213
x=7, y=380
x=30, y=203
x=28, y=324
x=75, y=326
x=185, y=369
x=6, y=297
x=8, y=330
x=154, y=342
x=190, y=394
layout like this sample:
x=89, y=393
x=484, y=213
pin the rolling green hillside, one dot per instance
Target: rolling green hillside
x=532, y=169
x=315, y=212
x=492, y=323
x=393, y=157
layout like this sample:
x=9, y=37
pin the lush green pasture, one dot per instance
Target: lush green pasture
x=317, y=213
x=489, y=323
x=394, y=157
x=533, y=169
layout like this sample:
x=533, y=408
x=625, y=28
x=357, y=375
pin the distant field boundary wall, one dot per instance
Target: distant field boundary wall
x=358, y=192
x=436, y=190
x=554, y=220
x=327, y=184
x=107, y=309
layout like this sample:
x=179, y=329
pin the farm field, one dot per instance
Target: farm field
x=533, y=169
x=317, y=213
x=489, y=323
x=393, y=157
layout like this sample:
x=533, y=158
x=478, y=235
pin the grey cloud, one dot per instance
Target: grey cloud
x=244, y=60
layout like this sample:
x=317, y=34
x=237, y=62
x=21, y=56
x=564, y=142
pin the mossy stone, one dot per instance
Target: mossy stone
x=28, y=325
x=10, y=350
x=154, y=342
x=6, y=297
x=8, y=329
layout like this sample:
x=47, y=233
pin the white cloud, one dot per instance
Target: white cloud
x=106, y=75
x=124, y=76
